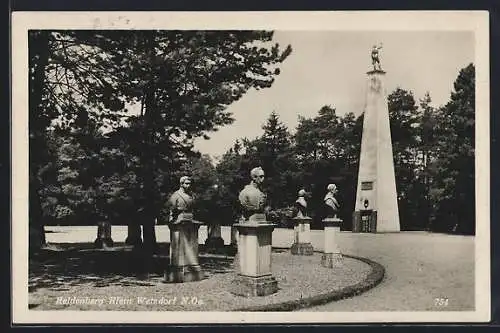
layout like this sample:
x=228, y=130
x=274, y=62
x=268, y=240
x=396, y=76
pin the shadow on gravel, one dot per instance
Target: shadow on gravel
x=70, y=265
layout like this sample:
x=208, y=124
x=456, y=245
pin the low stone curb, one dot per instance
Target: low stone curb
x=373, y=279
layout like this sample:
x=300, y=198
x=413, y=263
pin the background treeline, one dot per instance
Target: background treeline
x=433, y=152
x=114, y=114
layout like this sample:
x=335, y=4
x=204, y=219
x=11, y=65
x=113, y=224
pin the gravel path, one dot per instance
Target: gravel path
x=420, y=267
x=297, y=276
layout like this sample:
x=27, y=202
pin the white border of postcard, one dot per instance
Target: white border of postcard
x=476, y=21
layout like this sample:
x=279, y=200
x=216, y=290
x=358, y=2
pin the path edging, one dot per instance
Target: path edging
x=375, y=276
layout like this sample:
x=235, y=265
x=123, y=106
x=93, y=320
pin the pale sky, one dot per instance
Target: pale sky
x=329, y=68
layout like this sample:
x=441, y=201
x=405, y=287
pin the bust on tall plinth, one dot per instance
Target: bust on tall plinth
x=184, y=265
x=254, y=276
x=302, y=227
x=332, y=256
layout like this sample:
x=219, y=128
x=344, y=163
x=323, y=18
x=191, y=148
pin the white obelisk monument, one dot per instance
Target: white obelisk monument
x=376, y=208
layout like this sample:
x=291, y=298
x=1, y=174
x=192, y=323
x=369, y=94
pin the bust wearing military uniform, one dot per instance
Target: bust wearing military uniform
x=302, y=227
x=252, y=199
x=330, y=201
x=301, y=204
x=253, y=259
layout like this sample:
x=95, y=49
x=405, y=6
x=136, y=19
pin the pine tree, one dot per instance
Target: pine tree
x=404, y=122
x=427, y=144
x=453, y=179
x=183, y=80
x=327, y=149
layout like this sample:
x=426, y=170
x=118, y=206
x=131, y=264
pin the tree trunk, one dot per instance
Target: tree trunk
x=38, y=59
x=149, y=234
x=148, y=219
x=36, y=228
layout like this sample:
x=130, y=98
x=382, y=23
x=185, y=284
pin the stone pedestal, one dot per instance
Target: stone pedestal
x=332, y=255
x=254, y=259
x=133, y=234
x=103, y=239
x=184, y=265
x=234, y=242
x=214, y=240
x=234, y=234
x=302, y=237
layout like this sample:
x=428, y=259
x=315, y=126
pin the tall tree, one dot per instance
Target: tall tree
x=66, y=72
x=204, y=187
x=273, y=150
x=186, y=80
x=183, y=80
x=232, y=177
x=404, y=122
x=327, y=148
x=453, y=178
x=427, y=142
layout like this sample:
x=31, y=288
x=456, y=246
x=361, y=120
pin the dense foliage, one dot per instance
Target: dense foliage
x=433, y=151
x=180, y=83
x=113, y=116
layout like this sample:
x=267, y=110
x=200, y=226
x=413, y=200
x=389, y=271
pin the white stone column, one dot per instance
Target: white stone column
x=302, y=237
x=234, y=234
x=254, y=276
x=332, y=256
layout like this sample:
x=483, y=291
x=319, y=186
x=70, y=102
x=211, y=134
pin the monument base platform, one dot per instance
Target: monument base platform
x=103, y=238
x=214, y=243
x=176, y=274
x=101, y=243
x=135, y=241
x=302, y=249
x=249, y=286
x=331, y=260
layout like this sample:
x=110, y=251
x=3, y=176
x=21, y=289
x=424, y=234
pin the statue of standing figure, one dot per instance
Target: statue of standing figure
x=252, y=199
x=330, y=201
x=376, y=57
x=181, y=202
x=183, y=265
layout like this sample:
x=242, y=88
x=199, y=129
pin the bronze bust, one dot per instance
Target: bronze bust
x=252, y=199
x=301, y=204
x=330, y=201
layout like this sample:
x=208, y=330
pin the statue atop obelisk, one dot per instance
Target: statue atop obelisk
x=376, y=58
x=376, y=208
